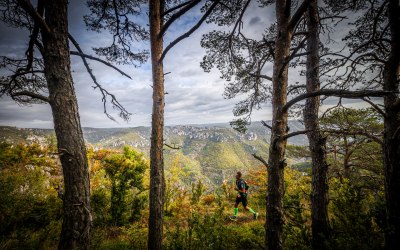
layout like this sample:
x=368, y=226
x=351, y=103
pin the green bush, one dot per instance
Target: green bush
x=353, y=218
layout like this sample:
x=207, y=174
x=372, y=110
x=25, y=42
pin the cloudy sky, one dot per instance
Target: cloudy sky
x=194, y=97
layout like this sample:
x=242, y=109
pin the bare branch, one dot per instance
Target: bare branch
x=261, y=76
x=294, y=88
x=287, y=136
x=299, y=55
x=376, y=107
x=171, y=147
x=266, y=125
x=338, y=93
x=270, y=48
x=300, y=33
x=27, y=6
x=175, y=8
x=298, y=14
x=76, y=53
x=124, y=114
x=258, y=157
x=34, y=36
x=21, y=73
x=174, y=17
x=193, y=29
x=296, y=49
x=32, y=95
x=39, y=46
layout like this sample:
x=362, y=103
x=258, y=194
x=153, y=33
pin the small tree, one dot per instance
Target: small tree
x=354, y=144
x=125, y=171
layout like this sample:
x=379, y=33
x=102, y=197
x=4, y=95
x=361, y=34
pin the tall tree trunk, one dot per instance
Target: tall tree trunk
x=392, y=130
x=319, y=196
x=276, y=161
x=75, y=233
x=157, y=142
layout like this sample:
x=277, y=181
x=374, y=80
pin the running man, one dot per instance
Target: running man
x=241, y=187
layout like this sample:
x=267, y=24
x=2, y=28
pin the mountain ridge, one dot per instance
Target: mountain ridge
x=208, y=152
x=91, y=134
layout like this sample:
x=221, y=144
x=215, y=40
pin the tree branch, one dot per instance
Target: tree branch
x=299, y=55
x=193, y=29
x=266, y=125
x=177, y=15
x=27, y=6
x=26, y=72
x=270, y=48
x=33, y=37
x=376, y=107
x=171, y=147
x=240, y=18
x=287, y=136
x=298, y=14
x=39, y=46
x=175, y=8
x=358, y=132
x=261, y=76
x=76, y=53
x=332, y=131
x=294, y=88
x=124, y=114
x=296, y=49
x=338, y=93
x=32, y=95
x=258, y=157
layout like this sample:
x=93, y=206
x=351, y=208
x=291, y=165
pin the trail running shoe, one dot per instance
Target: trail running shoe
x=255, y=216
x=233, y=217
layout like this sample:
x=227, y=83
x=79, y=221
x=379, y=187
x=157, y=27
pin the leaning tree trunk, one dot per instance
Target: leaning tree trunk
x=276, y=161
x=319, y=196
x=392, y=131
x=156, y=149
x=75, y=232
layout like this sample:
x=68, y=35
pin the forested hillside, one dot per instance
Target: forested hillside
x=199, y=190
x=211, y=153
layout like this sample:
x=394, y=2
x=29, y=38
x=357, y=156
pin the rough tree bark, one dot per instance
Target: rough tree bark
x=157, y=141
x=392, y=130
x=276, y=161
x=75, y=233
x=319, y=195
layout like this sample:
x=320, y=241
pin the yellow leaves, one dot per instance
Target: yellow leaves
x=208, y=199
